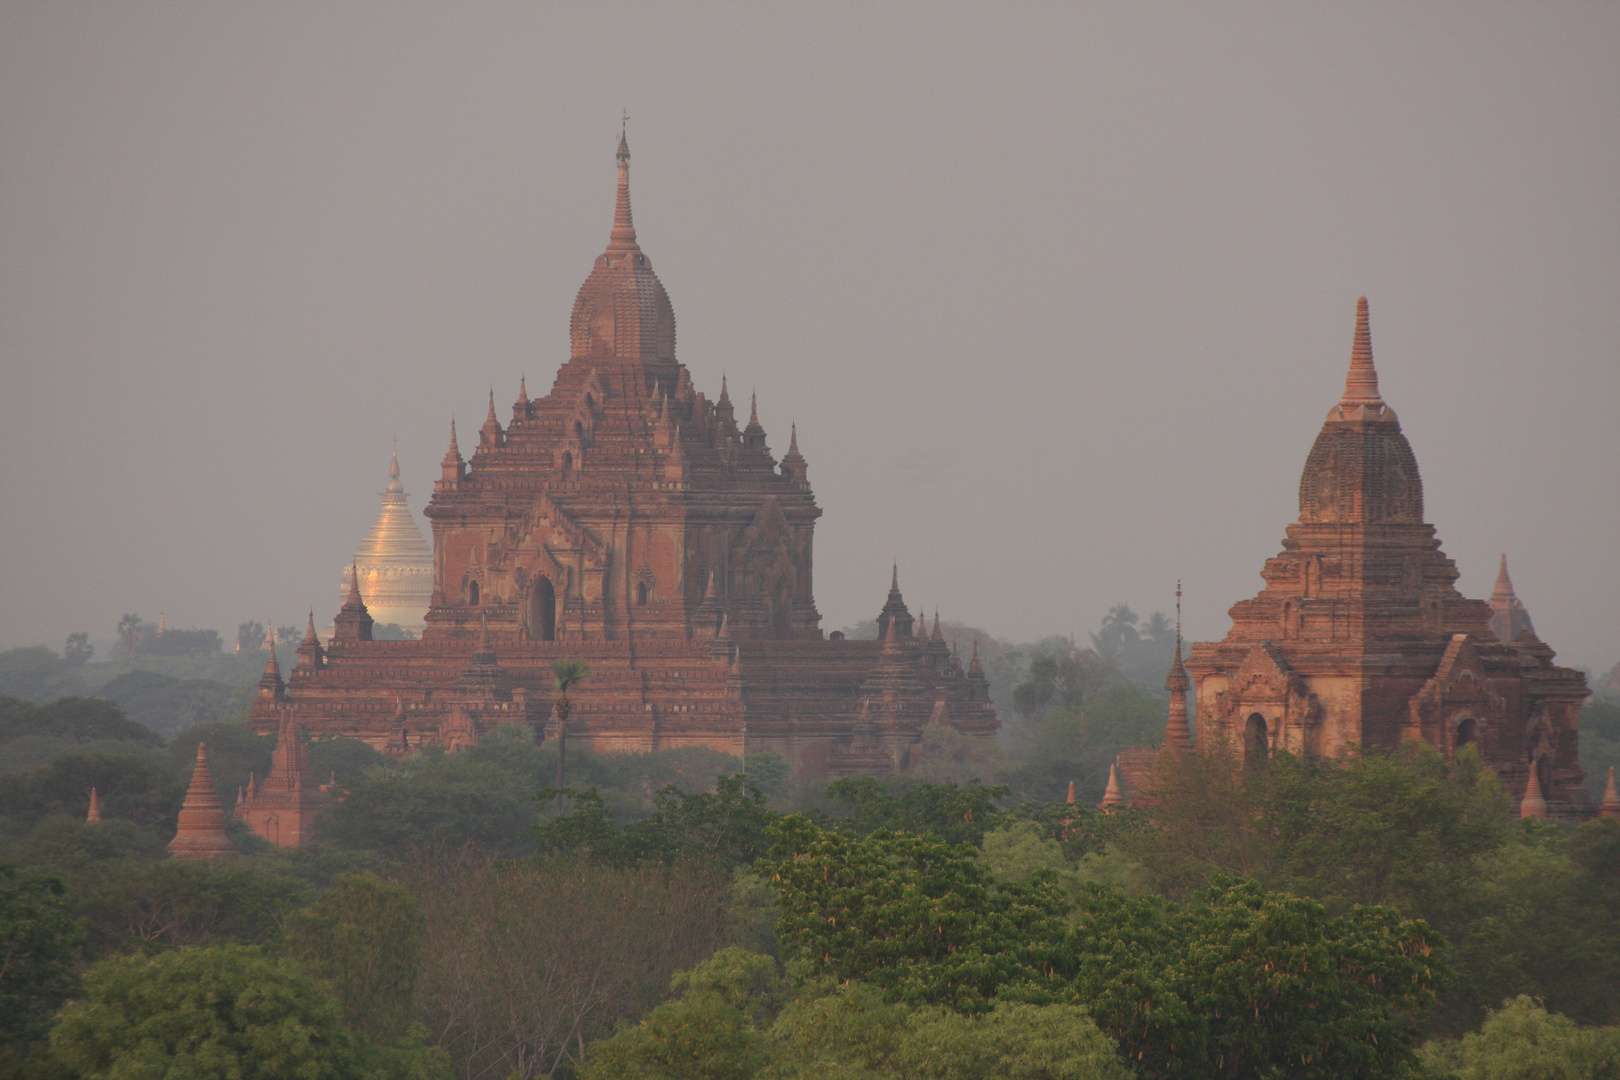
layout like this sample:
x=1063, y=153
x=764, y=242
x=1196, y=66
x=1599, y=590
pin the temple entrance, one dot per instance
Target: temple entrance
x=1254, y=740
x=542, y=620
x=1467, y=732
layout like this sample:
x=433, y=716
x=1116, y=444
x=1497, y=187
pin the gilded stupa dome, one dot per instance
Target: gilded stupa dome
x=394, y=562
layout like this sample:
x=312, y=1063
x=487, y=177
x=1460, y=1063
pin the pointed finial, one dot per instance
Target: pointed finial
x=1113, y=797
x=1361, y=400
x=725, y=395
x=623, y=236
x=95, y=802
x=1534, y=804
x=310, y=637
x=523, y=389
x=491, y=431
x=793, y=437
x=753, y=410
x=1070, y=799
x=393, y=464
x=1610, y=806
x=894, y=576
x=1504, y=584
x=354, y=585
x=937, y=636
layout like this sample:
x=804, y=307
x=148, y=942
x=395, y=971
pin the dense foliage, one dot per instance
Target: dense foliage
x=674, y=915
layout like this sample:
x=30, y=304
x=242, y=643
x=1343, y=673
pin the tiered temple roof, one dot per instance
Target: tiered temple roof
x=1360, y=639
x=625, y=519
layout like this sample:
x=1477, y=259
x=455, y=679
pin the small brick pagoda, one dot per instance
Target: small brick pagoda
x=626, y=520
x=1360, y=638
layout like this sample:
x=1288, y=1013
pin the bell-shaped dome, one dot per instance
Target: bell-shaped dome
x=394, y=562
x=1361, y=469
x=622, y=311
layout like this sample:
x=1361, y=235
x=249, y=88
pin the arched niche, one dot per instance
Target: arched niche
x=541, y=617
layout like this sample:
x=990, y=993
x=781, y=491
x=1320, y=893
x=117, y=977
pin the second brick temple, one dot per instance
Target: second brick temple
x=627, y=520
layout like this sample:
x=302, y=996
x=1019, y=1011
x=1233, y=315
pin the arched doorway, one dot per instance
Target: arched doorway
x=1467, y=732
x=1254, y=740
x=542, y=619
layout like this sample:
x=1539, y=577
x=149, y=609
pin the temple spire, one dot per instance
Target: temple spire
x=1504, y=584
x=1534, y=804
x=201, y=832
x=1361, y=399
x=453, y=467
x=1610, y=806
x=623, y=236
x=523, y=390
x=95, y=803
x=491, y=431
x=1113, y=797
x=1176, y=731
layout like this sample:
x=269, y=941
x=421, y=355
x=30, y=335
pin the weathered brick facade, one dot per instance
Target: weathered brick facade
x=625, y=519
x=1360, y=638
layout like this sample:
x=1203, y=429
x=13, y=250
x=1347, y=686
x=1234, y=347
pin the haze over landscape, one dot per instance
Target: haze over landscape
x=1058, y=298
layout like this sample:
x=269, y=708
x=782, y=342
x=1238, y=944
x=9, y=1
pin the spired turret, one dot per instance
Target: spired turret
x=624, y=518
x=201, y=834
x=1360, y=639
x=394, y=561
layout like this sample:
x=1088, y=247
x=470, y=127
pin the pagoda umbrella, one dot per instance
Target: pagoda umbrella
x=566, y=674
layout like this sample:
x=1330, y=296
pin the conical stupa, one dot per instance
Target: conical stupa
x=394, y=562
x=202, y=819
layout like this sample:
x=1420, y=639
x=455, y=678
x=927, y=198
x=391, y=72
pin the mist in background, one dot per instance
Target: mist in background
x=1058, y=296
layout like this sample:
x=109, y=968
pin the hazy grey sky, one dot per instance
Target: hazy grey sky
x=1058, y=294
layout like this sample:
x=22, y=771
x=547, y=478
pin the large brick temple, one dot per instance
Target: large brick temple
x=627, y=520
x=1360, y=638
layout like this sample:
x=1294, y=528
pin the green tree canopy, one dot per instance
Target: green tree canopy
x=39, y=941
x=1523, y=1041
x=364, y=937
x=225, y=1010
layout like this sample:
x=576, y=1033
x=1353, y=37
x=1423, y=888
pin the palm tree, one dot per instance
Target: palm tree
x=566, y=674
x=1118, y=630
x=1157, y=628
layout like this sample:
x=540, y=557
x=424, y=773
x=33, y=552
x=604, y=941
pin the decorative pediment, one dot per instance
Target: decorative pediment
x=1459, y=682
x=1264, y=675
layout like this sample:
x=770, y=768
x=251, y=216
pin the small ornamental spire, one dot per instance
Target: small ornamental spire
x=271, y=686
x=975, y=667
x=1070, y=799
x=1534, y=804
x=310, y=637
x=891, y=636
x=393, y=469
x=753, y=410
x=453, y=467
x=1504, y=584
x=523, y=390
x=1176, y=731
x=937, y=636
x=491, y=431
x=353, y=622
x=1610, y=806
x=1114, y=796
x=1361, y=400
x=793, y=463
x=623, y=236
x=95, y=803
